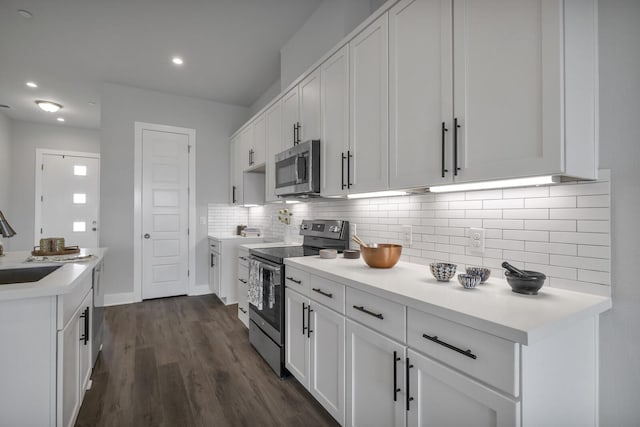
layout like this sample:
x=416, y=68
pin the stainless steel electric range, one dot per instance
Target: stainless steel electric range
x=266, y=281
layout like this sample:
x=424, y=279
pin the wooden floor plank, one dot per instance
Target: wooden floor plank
x=187, y=361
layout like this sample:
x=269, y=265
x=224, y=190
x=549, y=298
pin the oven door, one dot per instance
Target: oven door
x=270, y=316
x=297, y=170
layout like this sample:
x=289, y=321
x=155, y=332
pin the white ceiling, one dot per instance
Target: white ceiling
x=231, y=50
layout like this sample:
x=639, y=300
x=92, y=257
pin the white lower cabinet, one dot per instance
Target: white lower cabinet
x=439, y=396
x=375, y=378
x=315, y=350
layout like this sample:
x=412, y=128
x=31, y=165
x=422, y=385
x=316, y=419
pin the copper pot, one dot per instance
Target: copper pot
x=384, y=255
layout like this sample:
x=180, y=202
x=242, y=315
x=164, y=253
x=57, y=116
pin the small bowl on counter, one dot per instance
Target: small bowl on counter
x=443, y=271
x=484, y=273
x=351, y=254
x=383, y=255
x=469, y=281
x=328, y=253
x=529, y=285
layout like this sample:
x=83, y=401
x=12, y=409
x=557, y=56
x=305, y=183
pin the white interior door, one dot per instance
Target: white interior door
x=165, y=213
x=69, y=201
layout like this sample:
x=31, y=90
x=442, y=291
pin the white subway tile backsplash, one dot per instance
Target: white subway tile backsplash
x=561, y=230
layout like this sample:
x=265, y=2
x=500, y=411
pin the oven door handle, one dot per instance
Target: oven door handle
x=269, y=268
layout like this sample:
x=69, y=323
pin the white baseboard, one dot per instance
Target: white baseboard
x=203, y=289
x=120, y=299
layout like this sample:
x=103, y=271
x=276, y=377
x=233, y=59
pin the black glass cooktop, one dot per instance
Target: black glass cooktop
x=278, y=254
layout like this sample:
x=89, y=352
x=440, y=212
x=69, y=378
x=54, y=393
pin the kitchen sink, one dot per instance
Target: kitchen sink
x=26, y=275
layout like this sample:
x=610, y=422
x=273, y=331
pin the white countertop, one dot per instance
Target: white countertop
x=491, y=307
x=231, y=237
x=61, y=281
x=268, y=245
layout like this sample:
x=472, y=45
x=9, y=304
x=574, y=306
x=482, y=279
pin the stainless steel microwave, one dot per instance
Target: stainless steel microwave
x=297, y=170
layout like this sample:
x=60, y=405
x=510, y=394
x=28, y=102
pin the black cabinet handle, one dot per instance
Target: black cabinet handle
x=242, y=258
x=242, y=310
x=233, y=197
x=299, y=282
x=444, y=129
x=304, y=328
x=396, y=359
x=342, y=164
x=349, y=157
x=212, y=264
x=295, y=129
x=370, y=313
x=243, y=281
x=309, y=310
x=456, y=126
x=85, y=333
x=298, y=140
x=321, y=292
x=435, y=339
x=409, y=398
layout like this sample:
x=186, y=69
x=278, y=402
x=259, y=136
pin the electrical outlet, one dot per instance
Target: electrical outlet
x=476, y=240
x=203, y=220
x=407, y=235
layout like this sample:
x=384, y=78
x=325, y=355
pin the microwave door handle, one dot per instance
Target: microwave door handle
x=296, y=169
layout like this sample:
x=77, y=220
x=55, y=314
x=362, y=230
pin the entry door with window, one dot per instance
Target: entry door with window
x=69, y=201
x=165, y=213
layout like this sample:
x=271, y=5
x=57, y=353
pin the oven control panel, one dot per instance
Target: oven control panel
x=327, y=228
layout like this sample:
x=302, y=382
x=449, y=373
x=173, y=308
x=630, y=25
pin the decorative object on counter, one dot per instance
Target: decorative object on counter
x=351, y=254
x=250, y=232
x=61, y=258
x=382, y=255
x=328, y=253
x=529, y=284
x=5, y=230
x=443, y=271
x=284, y=216
x=361, y=242
x=469, y=281
x=239, y=229
x=68, y=250
x=484, y=273
x=516, y=272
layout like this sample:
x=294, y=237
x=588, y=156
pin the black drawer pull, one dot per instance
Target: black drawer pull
x=326, y=294
x=243, y=281
x=243, y=310
x=242, y=258
x=396, y=359
x=299, y=282
x=370, y=313
x=449, y=346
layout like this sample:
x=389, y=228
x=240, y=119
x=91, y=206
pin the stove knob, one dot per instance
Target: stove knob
x=334, y=229
x=304, y=227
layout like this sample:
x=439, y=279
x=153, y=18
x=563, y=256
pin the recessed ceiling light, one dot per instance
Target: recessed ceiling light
x=4, y=106
x=32, y=84
x=60, y=119
x=25, y=13
x=177, y=60
x=48, y=106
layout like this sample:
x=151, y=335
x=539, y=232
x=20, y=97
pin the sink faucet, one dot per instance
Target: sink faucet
x=6, y=230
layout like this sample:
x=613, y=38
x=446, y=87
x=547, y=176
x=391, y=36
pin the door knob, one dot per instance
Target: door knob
x=147, y=236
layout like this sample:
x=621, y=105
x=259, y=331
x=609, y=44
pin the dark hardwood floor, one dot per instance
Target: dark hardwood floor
x=187, y=361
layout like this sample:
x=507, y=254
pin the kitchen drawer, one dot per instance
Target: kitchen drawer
x=69, y=303
x=378, y=313
x=297, y=279
x=327, y=292
x=243, y=275
x=243, y=258
x=490, y=359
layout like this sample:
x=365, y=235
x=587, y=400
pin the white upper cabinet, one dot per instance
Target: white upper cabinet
x=273, y=119
x=334, y=129
x=309, y=89
x=238, y=158
x=257, y=149
x=369, y=86
x=290, y=119
x=420, y=92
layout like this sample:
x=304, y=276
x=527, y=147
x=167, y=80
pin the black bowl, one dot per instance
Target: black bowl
x=526, y=285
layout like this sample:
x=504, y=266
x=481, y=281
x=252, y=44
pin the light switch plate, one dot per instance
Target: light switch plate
x=476, y=240
x=407, y=235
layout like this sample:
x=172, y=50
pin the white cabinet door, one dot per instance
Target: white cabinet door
x=372, y=365
x=237, y=197
x=420, y=93
x=86, y=337
x=258, y=146
x=273, y=117
x=296, y=340
x=443, y=397
x=369, y=86
x=334, y=128
x=69, y=394
x=327, y=360
x=508, y=88
x=310, y=116
x=290, y=119
x=246, y=138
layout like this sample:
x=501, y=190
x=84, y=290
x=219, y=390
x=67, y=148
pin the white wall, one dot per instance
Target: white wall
x=333, y=20
x=121, y=107
x=265, y=98
x=5, y=164
x=620, y=151
x=26, y=137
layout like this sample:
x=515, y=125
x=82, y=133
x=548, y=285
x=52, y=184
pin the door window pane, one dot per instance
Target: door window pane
x=79, y=226
x=80, y=170
x=79, y=198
